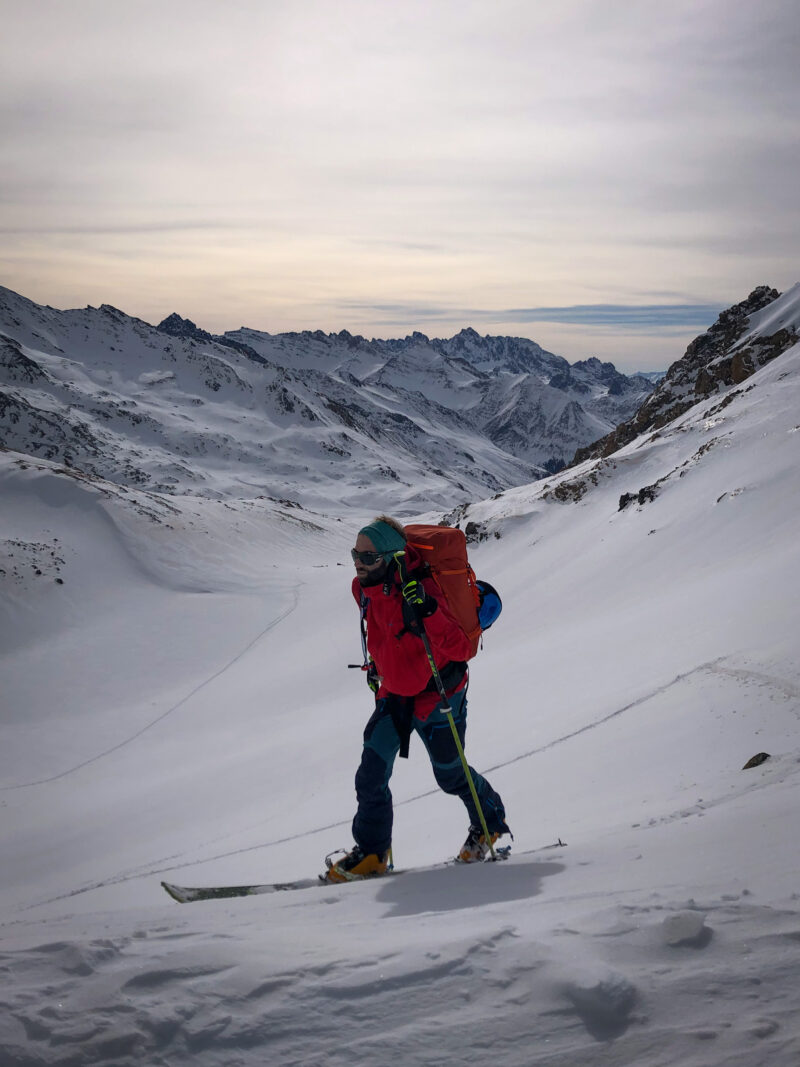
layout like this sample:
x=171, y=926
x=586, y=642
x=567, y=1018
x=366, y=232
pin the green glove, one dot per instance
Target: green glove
x=415, y=596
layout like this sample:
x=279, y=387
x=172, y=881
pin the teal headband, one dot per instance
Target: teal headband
x=384, y=537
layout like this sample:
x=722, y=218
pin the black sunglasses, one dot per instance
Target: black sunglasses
x=369, y=559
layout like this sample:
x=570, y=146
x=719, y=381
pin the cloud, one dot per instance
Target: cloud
x=622, y=316
x=412, y=162
x=119, y=228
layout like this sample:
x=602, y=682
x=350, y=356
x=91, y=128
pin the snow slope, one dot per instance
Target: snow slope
x=180, y=707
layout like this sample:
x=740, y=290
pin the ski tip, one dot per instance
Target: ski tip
x=175, y=892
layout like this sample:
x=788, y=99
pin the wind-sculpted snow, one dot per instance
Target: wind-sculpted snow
x=535, y=990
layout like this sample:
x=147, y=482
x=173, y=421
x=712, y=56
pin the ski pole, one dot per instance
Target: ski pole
x=449, y=713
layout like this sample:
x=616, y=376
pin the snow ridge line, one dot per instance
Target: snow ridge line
x=710, y=666
x=160, y=718
x=787, y=689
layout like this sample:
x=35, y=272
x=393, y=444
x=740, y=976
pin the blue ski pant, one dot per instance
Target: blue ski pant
x=372, y=825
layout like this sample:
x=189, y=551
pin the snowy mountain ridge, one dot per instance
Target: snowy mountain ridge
x=744, y=338
x=318, y=418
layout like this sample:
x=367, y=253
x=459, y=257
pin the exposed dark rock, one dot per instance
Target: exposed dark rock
x=646, y=495
x=475, y=532
x=15, y=366
x=176, y=326
x=707, y=366
x=756, y=761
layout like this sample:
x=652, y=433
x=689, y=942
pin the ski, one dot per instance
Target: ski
x=190, y=894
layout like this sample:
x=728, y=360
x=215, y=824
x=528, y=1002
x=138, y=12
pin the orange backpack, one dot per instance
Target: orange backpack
x=444, y=549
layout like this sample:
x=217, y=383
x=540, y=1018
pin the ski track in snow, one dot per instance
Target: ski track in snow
x=781, y=685
x=152, y=871
x=160, y=718
x=169, y=863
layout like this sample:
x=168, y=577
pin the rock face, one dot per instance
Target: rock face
x=727, y=354
x=324, y=416
x=175, y=326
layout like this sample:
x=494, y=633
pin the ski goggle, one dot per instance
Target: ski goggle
x=369, y=559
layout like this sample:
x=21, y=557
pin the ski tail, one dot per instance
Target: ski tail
x=190, y=894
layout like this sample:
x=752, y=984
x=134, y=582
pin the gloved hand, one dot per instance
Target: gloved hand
x=415, y=596
x=373, y=679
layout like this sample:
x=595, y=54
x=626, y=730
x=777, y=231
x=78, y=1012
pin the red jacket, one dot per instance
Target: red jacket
x=400, y=656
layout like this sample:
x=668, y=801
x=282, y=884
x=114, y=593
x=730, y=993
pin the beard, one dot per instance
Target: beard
x=374, y=577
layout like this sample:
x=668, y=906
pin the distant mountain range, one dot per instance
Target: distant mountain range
x=311, y=417
x=316, y=419
x=698, y=408
x=652, y=375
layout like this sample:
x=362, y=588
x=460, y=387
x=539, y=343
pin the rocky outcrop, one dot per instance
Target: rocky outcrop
x=175, y=326
x=15, y=365
x=720, y=357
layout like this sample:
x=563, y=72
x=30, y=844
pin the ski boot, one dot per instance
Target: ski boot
x=476, y=848
x=357, y=865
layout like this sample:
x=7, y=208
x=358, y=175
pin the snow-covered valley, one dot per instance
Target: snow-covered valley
x=176, y=704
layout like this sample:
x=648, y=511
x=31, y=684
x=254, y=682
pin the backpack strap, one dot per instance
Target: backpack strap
x=451, y=674
x=401, y=710
x=363, y=624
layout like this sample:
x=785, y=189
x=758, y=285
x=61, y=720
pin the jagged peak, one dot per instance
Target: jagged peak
x=175, y=320
x=176, y=326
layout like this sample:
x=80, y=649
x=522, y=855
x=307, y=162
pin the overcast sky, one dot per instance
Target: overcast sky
x=600, y=175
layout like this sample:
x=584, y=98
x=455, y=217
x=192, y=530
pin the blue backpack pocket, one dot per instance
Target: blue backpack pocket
x=490, y=606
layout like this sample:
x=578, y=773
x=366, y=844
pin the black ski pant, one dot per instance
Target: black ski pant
x=383, y=738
